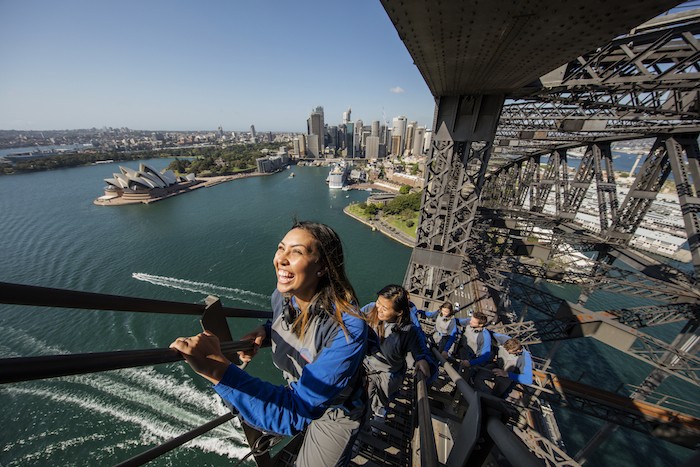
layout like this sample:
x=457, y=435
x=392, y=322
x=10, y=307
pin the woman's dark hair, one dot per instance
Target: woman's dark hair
x=335, y=293
x=449, y=306
x=399, y=302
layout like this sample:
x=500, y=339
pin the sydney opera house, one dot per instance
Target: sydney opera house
x=143, y=185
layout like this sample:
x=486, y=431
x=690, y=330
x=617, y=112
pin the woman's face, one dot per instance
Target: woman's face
x=297, y=264
x=445, y=311
x=385, y=310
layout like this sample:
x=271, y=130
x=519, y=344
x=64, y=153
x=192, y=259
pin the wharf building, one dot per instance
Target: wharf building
x=270, y=164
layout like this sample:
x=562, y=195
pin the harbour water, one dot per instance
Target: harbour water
x=214, y=241
x=218, y=240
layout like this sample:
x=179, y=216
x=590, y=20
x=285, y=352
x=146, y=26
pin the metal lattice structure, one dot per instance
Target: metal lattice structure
x=501, y=211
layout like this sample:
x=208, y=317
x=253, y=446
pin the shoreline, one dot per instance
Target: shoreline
x=383, y=228
x=202, y=182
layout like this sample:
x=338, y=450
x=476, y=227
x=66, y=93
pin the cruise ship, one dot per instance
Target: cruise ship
x=338, y=176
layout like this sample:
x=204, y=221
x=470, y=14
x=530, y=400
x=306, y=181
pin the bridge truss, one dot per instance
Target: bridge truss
x=502, y=210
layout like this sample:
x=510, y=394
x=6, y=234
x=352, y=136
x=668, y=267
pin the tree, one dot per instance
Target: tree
x=404, y=189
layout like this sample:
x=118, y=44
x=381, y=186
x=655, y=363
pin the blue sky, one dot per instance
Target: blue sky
x=179, y=65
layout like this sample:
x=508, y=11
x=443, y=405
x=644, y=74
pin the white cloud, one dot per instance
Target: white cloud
x=397, y=90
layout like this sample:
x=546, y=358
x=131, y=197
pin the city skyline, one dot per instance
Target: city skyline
x=163, y=66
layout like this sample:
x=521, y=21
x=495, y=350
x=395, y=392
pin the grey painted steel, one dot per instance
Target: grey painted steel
x=495, y=47
x=510, y=445
x=158, y=451
x=455, y=173
x=31, y=368
x=647, y=184
x=20, y=294
x=473, y=423
x=470, y=429
x=428, y=448
x=605, y=185
x=684, y=155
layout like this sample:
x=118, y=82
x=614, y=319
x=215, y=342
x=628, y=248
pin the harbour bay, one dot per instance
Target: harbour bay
x=219, y=241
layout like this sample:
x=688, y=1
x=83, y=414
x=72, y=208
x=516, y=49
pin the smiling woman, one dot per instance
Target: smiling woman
x=392, y=336
x=318, y=340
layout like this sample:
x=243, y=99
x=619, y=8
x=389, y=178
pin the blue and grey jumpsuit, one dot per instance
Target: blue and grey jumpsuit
x=385, y=363
x=325, y=394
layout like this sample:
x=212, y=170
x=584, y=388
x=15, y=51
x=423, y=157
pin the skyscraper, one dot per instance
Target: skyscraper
x=350, y=139
x=302, y=145
x=372, y=147
x=398, y=135
x=346, y=116
x=408, y=145
x=418, y=141
x=358, y=138
x=253, y=137
x=375, y=128
x=316, y=127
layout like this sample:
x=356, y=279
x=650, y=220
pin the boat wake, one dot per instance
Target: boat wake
x=130, y=408
x=240, y=295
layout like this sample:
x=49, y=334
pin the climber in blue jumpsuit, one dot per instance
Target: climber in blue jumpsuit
x=446, y=332
x=392, y=336
x=318, y=340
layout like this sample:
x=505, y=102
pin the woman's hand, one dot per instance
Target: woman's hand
x=257, y=335
x=203, y=353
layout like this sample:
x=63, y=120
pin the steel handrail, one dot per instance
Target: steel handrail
x=41, y=367
x=428, y=448
x=507, y=442
x=161, y=449
x=13, y=370
x=21, y=294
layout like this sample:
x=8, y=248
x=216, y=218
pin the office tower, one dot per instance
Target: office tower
x=316, y=127
x=382, y=134
x=295, y=146
x=312, y=147
x=341, y=136
x=358, y=138
x=220, y=132
x=372, y=147
x=350, y=139
x=427, y=140
x=375, y=128
x=398, y=134
x=396, y=144
x=418, y=141
x=408, y=145
x=302, y=145
x=333, y=137
x=253, y=137
x=346, y=116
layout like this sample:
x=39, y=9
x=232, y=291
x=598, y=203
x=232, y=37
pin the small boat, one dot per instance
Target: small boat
x=291, y=175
